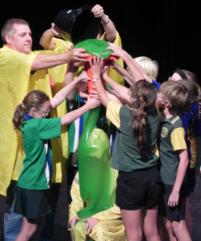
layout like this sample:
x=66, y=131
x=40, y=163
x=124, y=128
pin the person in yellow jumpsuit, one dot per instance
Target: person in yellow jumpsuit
x=22, y=70
x=103, y=226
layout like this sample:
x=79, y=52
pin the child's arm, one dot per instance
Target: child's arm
x=181, y=171
x=64, y=92
x=119, y=90
x=123, y=72
x=73, y=115
x=96, y=68
x=135, y=69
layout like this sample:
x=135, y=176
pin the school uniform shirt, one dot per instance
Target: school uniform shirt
x=172, y=139
x=36, y=132
x=126, y=156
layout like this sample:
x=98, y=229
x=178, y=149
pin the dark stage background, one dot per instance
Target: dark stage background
x=165, y=30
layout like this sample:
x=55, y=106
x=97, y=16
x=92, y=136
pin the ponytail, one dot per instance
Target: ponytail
x=144, y=96
x=139, y=123
x=18, y=116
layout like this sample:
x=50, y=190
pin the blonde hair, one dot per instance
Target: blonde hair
x=150, y=66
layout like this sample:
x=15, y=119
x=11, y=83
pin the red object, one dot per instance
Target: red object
x=91, y=86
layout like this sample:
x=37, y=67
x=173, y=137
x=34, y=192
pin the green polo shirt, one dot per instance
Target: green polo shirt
x=126, y=156
x=36, y=132
x=172, y=139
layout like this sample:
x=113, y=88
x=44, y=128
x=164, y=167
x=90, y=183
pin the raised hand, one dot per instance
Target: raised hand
x=97, y=11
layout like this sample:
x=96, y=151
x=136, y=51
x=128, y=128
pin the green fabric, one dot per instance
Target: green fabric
x=126, y=156
x=35, y=134
x=95, y=173
x=95, y=47
x=168, y=157
x=71, y=127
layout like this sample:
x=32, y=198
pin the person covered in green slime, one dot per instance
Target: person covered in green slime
x=93, y=213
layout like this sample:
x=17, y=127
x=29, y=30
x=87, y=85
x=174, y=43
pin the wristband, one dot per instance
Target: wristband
x=94, y=79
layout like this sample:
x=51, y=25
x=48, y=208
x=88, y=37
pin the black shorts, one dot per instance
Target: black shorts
x=138, y=189
x=173, y=213
x=32, y=204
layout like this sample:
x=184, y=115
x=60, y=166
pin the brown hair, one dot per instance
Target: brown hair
x=190, y=80
x=33, y=99
x=144, y=97
x=177, y=95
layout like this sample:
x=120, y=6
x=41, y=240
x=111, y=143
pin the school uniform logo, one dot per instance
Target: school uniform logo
x=164, y=132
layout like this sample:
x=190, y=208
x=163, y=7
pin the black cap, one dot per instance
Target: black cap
x=79, y=23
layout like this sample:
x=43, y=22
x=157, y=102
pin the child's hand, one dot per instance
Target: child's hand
x=96, y=65
x=93, y=103
x=117, y=51
x=173, y=199
x=93, y=94
x=91, y=222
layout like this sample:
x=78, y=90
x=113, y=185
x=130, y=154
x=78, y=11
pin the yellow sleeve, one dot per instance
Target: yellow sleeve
x=62, y=45
x=178, y=139
x=77, y=202
x=113, y=113
x=111, y=213
x=112, y=72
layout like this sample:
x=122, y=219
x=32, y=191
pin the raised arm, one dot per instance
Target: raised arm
x=73, y=115
x=67, y=90
x=122, y=92
x=46, y=40
x=124, y=73
x=108, y=25
x=96, y=65
x=134, y=68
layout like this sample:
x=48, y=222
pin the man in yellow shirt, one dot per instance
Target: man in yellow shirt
x=21, y=70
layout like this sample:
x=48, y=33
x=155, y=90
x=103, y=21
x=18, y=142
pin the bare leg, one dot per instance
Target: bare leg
x=180, y=231
x=169, y=229
x=27, y=231
x=150, y=225
x=132, y=220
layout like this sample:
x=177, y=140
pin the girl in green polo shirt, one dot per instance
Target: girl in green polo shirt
x=30, y=117
x=134, y=154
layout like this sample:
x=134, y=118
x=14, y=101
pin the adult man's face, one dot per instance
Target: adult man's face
x=20, y=39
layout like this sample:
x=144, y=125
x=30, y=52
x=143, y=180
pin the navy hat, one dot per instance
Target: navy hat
x=79, y=23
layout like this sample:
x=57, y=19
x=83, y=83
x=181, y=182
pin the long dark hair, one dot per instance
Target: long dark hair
x=144, y=96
